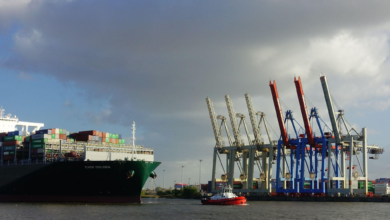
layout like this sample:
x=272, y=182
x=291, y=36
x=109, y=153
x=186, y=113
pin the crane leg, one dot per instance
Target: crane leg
x=264, y=184
x=350, y=164
x=245, y=168
x=214, y=169
x=232, y=155
x=270, y=158
x=364, y=132
x=251, y=166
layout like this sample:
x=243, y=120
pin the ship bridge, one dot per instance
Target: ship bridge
x=9, y=123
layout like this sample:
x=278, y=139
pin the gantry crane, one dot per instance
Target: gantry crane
x=265, y=149
x=217, y=135
x=305, y=115
x=247, y=150
x=281, y=150
x=279, y=114
x=349, y=144
x=314, y=143
x=339, y=169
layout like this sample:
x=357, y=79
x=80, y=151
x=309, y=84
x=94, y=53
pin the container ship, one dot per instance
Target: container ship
x=55, y=165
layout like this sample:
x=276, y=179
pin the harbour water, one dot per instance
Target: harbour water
x=192, y=209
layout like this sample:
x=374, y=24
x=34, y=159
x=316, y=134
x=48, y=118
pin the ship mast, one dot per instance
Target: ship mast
x=133, y=129
x=1, y=112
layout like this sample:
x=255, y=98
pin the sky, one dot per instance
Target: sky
x=83, y=65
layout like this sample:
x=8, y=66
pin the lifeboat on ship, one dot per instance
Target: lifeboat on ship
x=226, y=197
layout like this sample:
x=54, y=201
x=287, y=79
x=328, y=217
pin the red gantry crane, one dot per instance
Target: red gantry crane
x=279, y=114
x=305, y=115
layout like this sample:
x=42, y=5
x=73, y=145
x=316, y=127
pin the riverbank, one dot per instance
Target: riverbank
x=159, y=196
x=318, y=199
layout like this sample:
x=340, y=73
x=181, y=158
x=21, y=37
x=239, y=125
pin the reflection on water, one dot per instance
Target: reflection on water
x=192, y=209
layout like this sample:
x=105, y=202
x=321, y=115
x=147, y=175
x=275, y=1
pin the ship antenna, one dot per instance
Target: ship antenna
x=1, y=111
x=133, y=129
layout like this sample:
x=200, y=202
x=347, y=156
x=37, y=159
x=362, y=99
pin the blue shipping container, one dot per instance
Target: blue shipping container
x=120, y=136
x=180, y=185
x=220, y=184
x=209, y=185
x=13, y=133
x=44, y=131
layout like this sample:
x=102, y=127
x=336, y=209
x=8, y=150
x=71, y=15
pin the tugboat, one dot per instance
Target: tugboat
x=227, y=197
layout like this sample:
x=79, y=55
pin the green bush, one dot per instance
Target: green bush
x=176, y=193
x=189, y=192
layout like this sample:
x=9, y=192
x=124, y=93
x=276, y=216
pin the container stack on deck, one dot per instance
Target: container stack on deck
x=12, y=142
x=16, y=144
x=97, y=136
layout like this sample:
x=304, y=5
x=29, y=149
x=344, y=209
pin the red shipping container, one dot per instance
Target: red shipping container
x=93, y=132
x=4, y=134
x=104, y=134
x=100, y=134
x=71, y=154
x=8, y=157
x=111, y=140
x=62, y=136
x=84, y=137
x=12, y=143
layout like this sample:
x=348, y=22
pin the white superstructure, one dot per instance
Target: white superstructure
x=95, y=151
x=8, y=123
x=227, y=193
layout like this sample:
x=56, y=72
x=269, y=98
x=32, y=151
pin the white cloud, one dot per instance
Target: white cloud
x=346, y=54
x=13, y=5
x=28, y=42
x=10, y=10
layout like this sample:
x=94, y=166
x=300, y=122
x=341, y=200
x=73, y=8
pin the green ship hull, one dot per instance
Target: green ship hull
x=75, y=181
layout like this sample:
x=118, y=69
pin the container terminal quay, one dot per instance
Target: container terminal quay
x=313, y=162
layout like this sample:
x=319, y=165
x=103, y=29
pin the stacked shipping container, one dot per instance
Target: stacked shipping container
x=11, y=142
x=98, y=136
x=16, y=145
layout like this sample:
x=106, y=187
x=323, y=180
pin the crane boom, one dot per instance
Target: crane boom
x=305, y=116
x=279, y=113
x=232, y=116
x=329, y=104
x=217, y=134
x=252, y=116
